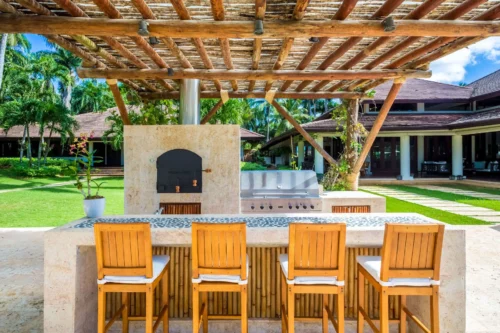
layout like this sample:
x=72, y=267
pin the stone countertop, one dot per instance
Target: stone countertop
x=372, y=220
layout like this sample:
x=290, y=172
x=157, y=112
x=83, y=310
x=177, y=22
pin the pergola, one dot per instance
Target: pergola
x=257, y=49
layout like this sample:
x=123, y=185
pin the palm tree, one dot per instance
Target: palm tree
x=11, y=41
x=296, y=110
x=69, y=61
x=44, y=67
x=21, y=112
x=91, y=96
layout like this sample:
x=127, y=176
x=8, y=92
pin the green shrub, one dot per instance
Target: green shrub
x=54, y=167
x=249, y=166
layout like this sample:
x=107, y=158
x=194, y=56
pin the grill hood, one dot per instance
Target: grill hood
x=279, y=183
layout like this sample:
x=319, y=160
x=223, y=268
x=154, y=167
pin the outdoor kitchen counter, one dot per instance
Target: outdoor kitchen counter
x=70, y=265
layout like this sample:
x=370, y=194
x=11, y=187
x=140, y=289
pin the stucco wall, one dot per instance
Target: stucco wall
x=219, y=148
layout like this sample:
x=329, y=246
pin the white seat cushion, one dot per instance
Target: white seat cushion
x=330, y=280
x=223, y=278
x=159, y=263
x=373, y=265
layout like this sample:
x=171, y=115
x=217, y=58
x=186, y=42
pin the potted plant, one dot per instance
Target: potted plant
x=84, y=158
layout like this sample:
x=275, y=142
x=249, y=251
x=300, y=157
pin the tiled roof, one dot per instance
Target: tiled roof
x=405, y=122
x=484, y=118
x=96, y=122
x=418, y=90
x=486, y=85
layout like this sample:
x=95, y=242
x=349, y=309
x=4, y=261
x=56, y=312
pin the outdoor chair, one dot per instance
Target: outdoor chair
x=409, y=265
x=220, y=264
x=125, y=264
x=314, y=265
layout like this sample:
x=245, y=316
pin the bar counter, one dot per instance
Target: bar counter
x=71, y=288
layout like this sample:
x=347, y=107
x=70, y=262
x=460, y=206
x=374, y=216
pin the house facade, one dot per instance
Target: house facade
x=432, y=129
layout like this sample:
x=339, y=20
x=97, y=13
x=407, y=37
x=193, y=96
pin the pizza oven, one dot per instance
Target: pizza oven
x=179, y=171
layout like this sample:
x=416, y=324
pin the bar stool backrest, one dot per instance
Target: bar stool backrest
x=219, y=249
x=316, y=250
x=123, y=249
x=412, y=251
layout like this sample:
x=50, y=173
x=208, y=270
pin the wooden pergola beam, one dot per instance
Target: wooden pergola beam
x=119, y=101
x=222, y=74
x=282, y=111
x=377, y=124
x=244, y=29
x=212, y=112
x=259, y=94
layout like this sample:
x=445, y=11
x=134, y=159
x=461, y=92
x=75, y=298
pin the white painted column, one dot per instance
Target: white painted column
x=318, y=158
x=473, y=148
x=242, y=151
x=300, y=154
x=457, y=156
x=420, y=151
x=405, y=158
x=420, y=107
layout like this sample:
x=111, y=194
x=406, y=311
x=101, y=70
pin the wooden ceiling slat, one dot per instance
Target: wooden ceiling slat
x=453, y=14
x=342, y=13
x=298, y=13
x=258, y=94
x=110, y=10
x=218, y=14
x=183, y=14
x=283, y=44
x=418, y=13
x=386, y=9
x=65, y=44
x=260, y=11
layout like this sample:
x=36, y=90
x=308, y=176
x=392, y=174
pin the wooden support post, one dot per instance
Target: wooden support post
x=212, y=112
x=303, y=132
x=113, y=86
x=377, y=125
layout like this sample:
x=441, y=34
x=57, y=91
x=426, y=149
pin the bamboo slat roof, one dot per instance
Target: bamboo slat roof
x=352, y=55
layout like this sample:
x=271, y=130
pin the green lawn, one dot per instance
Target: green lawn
x=399, y=206
x=50, y=207
x=478, y=202
x=8, y=182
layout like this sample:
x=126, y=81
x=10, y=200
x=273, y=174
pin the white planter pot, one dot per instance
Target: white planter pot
x=94, y=207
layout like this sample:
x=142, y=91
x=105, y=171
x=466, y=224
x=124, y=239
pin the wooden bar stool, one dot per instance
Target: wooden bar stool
x=220, y=263
x=409, y=265
x=314, y=265
x=125, y=264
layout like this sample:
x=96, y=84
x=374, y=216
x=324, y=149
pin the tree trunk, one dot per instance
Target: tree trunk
x=40, y=146
x=29, y=146
x=352, y=180
x=23, y=142
x=68, y=91
x=351, y=143
x=3, y=48
x=48, y=149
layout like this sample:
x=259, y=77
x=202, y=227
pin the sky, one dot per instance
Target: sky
x=463, y=66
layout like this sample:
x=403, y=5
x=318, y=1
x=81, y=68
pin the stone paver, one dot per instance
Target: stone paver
x=480, y=213
x=469, y=193
x=36, y=187
x=21, y=282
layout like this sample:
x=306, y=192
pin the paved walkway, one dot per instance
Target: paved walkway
x=480, y=213
x=474, y=194
x=37, y=187
x=21, y=281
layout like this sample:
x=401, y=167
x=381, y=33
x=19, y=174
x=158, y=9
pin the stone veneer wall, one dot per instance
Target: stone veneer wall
x=219, y=148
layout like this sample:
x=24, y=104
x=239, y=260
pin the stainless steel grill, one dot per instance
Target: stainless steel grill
x=279, y=191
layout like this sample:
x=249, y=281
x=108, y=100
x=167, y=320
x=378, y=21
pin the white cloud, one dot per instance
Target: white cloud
x=451, y=68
